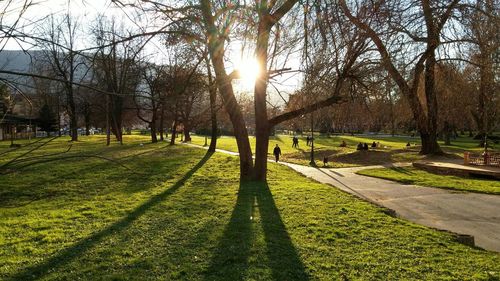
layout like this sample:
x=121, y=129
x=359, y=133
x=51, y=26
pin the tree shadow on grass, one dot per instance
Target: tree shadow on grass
x=231, y=258
x=401, y=170
x=67, y=255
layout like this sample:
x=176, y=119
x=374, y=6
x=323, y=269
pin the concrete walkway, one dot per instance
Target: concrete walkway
x=463, y=213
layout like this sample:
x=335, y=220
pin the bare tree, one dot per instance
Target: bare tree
x=482, y=22
x=151, y=101
x=58, y=39
x=115, y=65
x=421, y=25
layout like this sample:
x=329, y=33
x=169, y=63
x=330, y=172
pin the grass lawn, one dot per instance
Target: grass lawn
x=411, y=175
x=392, y=149
x=161, y=213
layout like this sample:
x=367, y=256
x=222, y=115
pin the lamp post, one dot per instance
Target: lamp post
x=312, y=163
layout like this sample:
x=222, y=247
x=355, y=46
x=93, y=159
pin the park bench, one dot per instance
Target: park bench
x=483, y=159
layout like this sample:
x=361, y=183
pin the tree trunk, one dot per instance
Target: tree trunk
x=108, y=125
x=447, y=131
x=213, y=111
x=174, y=132
x=216, y=51
x=235, y=115
x=430, y=145
x=87, y=121
x=262, y=128
x=162, y=120
x=87, y=128
x=58, y=116
x=116, y=117
x=187, y=129
x=72, y=117
x=261, y=149
x=152, y=125
x=73, y=128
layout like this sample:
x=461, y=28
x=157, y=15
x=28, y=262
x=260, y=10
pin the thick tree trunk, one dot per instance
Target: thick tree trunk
x=213, y=111
x=216, y=51
x=154, y=138
x=261, y=149
x=262, y=127
x=447, y=131
x=187, y=129
x=430, y=145
x=235, y=115
x=87, y=129
x=116, y=117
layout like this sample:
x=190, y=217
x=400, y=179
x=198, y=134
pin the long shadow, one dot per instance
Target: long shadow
x=21, y=147
x=346, y=186
x=400, y=170
x=283, y=258
x=231, y=258
x=26, y=153
x=9, y=199
x=67, y=255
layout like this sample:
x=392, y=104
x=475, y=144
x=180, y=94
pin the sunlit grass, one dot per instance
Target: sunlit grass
x=390, y=150
x=170, y=212
x=410, y=175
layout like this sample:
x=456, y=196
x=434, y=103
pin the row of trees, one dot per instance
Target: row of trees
x=419, y=63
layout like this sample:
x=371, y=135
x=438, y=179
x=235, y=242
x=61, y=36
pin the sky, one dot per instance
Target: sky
x=87, y=10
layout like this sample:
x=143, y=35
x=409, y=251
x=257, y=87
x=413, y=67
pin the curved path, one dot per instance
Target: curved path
x=460, y=212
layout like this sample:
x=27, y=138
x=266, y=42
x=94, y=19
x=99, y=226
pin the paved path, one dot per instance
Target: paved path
x=464, y=213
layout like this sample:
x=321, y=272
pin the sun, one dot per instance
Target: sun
x=249, y=70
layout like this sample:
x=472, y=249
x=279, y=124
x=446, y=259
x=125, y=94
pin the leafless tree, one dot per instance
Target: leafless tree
x=58, y=39
x=418, y=25
x=116, y=67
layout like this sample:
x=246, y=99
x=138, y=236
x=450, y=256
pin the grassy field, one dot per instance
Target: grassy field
x=391, y=150
x=149, y=212
x=410, y=175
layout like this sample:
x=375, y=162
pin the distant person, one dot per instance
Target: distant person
x=360, y=146
x=408, y=145
x=277, y=153
x=295, y=142
x=325, y=161
x=343, y=144
x=378, y=144
x=308, y=139
x=374, y=144
x=365, y=146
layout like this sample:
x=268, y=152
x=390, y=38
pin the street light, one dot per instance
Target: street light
x=312, y=163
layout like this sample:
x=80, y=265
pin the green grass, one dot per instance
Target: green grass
x=392, y=149
x=411, y=175
x=176, y=213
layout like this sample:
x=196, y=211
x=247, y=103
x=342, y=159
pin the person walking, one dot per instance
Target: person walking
x=277, y=152
x=295, y=142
